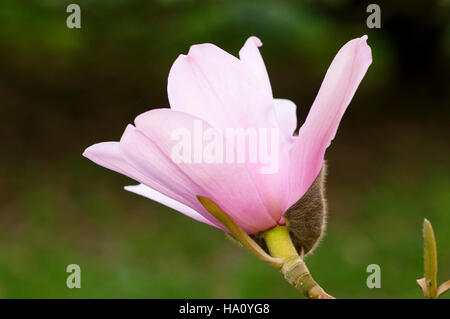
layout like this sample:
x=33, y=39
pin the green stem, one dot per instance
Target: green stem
x=294, y=269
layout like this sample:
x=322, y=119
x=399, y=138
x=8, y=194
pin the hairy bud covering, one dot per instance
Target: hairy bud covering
x=306, y=219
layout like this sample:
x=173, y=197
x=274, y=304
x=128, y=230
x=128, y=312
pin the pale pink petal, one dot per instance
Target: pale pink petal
x=337, y=89
x=160, y=172
x=286, y=112
x=108, y=155
x=219, y=88
x=233, y=186
x=150, y=193
x=250, y=56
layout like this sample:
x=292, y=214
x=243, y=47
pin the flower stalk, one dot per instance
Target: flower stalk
x=283, y=255
x=294, y=269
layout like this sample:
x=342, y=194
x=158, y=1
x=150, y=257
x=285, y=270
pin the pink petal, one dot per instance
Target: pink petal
x=150, y=193
x=160, y=172
x=250, y=56
x=219, y=88
x=337, y=89
x=108, y=155
x=233, y=186
x=286, y=113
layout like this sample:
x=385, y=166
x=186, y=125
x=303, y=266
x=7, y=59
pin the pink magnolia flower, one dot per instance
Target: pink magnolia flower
x=222, y=91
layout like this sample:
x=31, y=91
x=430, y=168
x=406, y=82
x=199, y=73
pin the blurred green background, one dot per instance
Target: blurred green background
x=62, y=90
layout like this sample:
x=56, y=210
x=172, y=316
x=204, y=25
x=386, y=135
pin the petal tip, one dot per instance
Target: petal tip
x=364, y=49
x=127, y=133
x=89, y=152
x=130, y=188
x=198, y=48
x=86, y=153
x=367, y=49
x=256, y=41
x=100, y=153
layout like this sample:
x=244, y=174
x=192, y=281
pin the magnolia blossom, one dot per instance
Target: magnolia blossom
x=210, y=86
